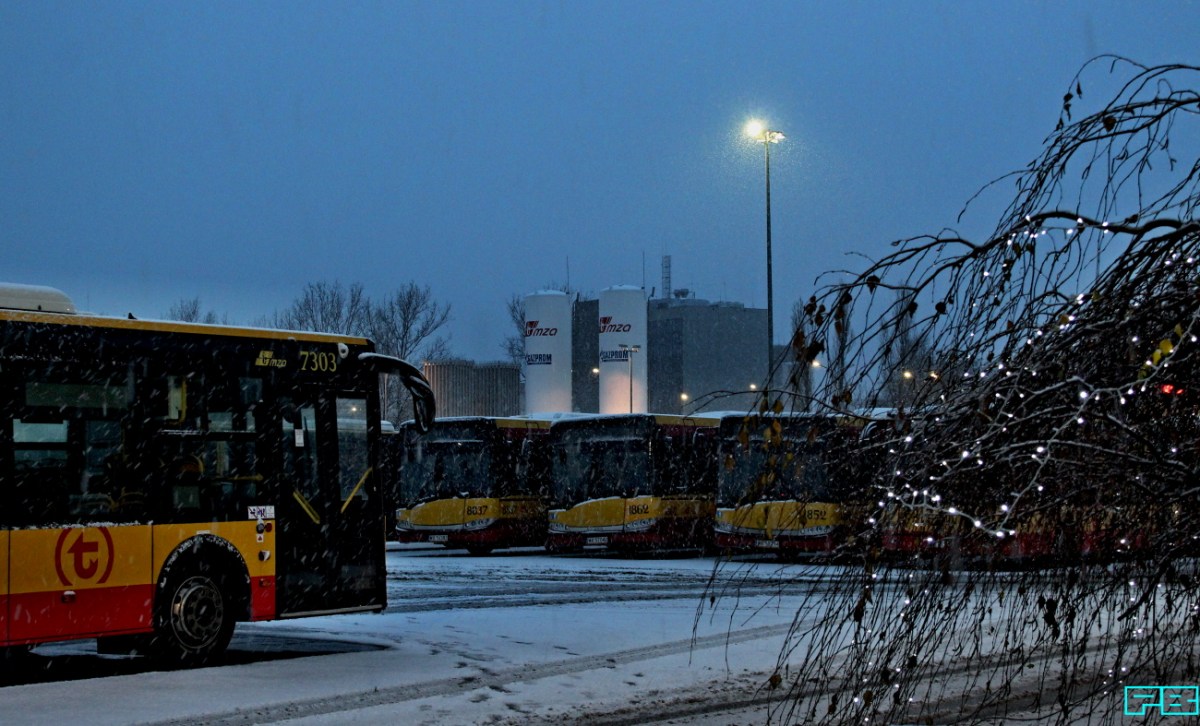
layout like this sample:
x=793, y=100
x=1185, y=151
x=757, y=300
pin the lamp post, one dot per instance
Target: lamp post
x=629, y=351
x=759, y=132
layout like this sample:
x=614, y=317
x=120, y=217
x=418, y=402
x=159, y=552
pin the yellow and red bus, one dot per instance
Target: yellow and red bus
x=160, y=481
x=478, y=483
x=787, y=483
x=631, y=482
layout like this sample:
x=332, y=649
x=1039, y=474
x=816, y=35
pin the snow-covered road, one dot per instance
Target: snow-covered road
x=511, y=638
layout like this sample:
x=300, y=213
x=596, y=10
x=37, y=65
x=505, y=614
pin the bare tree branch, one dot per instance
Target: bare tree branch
x=192, y=311
x=1060, y=416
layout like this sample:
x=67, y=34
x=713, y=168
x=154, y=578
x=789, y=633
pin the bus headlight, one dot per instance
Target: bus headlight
x=558, y=527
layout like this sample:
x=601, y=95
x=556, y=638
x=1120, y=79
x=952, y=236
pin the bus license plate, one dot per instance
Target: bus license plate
x=597, y=540
x=437, y=538
x=768, y=544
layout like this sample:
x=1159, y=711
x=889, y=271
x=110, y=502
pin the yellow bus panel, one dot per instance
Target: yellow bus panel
x=598, y=515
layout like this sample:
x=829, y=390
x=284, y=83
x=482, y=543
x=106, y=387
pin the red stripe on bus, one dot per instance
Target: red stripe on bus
x=262, y=598
x=63, y=614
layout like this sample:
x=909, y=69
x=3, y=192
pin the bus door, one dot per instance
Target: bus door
x=329, y=514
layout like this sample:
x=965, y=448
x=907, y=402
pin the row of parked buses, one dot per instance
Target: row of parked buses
x=791, y=484
x=1096, y=531
x=634, y=482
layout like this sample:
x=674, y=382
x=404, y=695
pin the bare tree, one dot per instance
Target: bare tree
x=1063, y=419
x=406, y=320
x=327, y=307
x=800, y=382
x=404, y=324
x=514, y=345
x=908, y=360
x=190, y=310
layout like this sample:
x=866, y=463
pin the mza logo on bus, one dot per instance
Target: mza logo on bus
x=84, y=556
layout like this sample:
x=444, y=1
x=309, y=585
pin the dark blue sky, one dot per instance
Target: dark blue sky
x=151, y=152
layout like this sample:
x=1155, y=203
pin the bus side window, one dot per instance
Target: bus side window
x=702, y=473
x=507, y=467
x=40, y=467
x=353, y=474
x=70, y=425
x=186, y=473
x=299, y=447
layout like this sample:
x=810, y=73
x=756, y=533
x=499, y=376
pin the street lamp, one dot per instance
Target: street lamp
x=630, y=350
x=759, y=132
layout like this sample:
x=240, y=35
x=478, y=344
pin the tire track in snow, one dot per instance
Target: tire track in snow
x=465, y=684
x=573, y=596
x=729, y=697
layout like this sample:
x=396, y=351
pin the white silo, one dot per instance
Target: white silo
x=547, y=352
x=623, y=332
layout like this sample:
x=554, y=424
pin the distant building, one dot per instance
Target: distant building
x=701, y=355
x=466, y=388
x=705, y=356
x=585, y=346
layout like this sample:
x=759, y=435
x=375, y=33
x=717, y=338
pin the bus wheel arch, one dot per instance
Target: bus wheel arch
x=202, y=591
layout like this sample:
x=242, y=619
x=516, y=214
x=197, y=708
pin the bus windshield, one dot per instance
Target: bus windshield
x=596, y=469
x=748, y=475
x=445, y=470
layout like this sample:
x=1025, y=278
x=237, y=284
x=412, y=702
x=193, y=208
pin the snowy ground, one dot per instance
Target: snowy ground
x=510, y=639
x=520, y=638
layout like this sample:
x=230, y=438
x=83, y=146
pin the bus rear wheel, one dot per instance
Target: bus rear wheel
x=195, y=621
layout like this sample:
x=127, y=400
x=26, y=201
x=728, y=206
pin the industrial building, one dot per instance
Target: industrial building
x=705, y=356
x=616, y=353
x=465, y=388
x=672, y=354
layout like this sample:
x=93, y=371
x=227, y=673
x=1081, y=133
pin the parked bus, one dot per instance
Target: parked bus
x=160, y=481
x=632, y=482
x=1094, y=518
x=788, y=483
x=478, y=483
